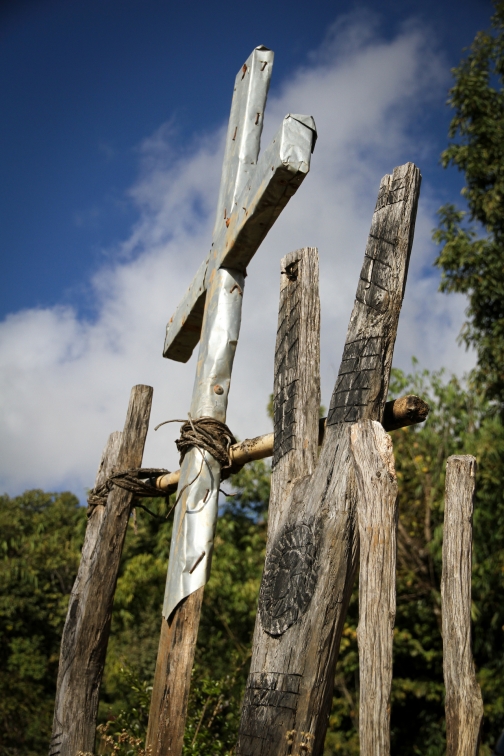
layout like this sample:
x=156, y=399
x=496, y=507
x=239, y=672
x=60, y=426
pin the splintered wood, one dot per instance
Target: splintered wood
x=87, y=626
x=377, y=520
x=312, y=548
x=464, y=704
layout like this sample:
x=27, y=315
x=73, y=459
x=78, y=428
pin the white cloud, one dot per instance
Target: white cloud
x=65, y=382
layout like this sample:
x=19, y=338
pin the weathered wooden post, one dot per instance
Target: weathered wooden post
x=377, y=521
x=464, y=704
x=253, y=192
x=87, y=626
x=297, y=374
x=289, y=689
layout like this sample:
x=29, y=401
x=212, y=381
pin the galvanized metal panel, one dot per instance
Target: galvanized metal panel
x=279, y=173
x=196, y=513
x=245, y=127
x=251, y=198
x=242, y=149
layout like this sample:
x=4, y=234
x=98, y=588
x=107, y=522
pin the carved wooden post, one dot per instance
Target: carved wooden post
x=289, y=690
x=87, y=626
x=377, y=520
x=464, y=704
x=297, y=376
x=296, y=408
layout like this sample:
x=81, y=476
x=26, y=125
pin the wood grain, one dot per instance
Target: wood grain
x=168, y=709
x=289, y=691
x=85, y=635
x=464, y=704
x=377, y=521
x=296, y=388
x=296, y=407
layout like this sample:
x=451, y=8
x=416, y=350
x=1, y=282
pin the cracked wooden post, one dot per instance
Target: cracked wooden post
x=464, y=704
x=289, y=689
x=377, y=521
x=87, y=626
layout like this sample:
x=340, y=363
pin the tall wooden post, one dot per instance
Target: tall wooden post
x=296, y=391
x=289, y=690
x=377, y=520
x=87, y=626
x=464, y=704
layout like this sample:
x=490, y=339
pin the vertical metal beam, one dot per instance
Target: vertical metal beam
x=245, y=127
x=196, y=513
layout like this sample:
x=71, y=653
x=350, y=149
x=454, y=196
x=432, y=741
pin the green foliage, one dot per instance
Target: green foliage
x=41, y=534
x=471, y=256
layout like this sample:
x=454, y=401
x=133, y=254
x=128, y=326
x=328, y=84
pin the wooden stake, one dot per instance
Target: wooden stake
x=289, y=690
x=377, y=520
x=464, y=704
x=170, y=693
x=87, y=626
x=296, y=403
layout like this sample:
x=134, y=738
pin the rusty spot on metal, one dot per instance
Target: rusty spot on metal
x=234, y=135
x=236, y=287
x=257, y=118
x=218, y=389
x=206, y=495
x=225, y=211
x=244, y=69
x=228, y=221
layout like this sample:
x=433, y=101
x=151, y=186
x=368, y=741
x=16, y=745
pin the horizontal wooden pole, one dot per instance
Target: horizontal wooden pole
x=399, y=413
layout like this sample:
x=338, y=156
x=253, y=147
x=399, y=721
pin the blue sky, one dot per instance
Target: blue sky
x=111, y=137
x=85, y=82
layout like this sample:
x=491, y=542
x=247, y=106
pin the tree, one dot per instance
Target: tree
x=41, y=536
x=472, y=254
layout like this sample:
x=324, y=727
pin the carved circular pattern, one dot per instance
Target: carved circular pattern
x=289, y=579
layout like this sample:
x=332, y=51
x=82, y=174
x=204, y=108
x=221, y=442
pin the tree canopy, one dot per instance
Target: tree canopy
x=472, y=239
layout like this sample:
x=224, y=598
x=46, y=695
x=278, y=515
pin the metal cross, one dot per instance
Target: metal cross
x=253, y=192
